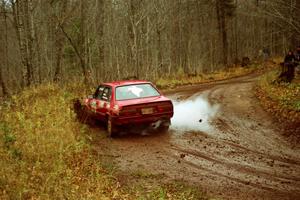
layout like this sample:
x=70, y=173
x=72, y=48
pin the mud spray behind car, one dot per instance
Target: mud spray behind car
x=193, y=114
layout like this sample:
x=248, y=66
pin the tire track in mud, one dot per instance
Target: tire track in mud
x=239, y=167
x=265, y=155
x=230, y=124
x=242, y=149
x=278, y=164
x=246, y=173
x=248, y=183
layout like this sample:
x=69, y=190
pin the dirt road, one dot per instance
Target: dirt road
x=240, y=153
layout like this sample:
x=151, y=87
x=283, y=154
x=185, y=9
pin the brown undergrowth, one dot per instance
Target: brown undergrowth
x=43, y=150
x=282, y=100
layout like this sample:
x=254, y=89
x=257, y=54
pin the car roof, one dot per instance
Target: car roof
x=125, y=82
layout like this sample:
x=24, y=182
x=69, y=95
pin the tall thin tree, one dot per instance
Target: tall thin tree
x=225, y=9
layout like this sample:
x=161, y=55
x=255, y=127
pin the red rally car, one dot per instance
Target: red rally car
x=129, y=103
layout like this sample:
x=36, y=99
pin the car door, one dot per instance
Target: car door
x=93, y=101
x=103, y=98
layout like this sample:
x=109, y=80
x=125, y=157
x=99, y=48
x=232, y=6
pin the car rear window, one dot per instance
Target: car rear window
x=135, y=91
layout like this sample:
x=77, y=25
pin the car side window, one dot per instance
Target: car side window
x=106, y=94
x=99, y=92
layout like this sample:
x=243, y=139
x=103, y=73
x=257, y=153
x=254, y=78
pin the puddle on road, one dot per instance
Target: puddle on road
x=193, y=114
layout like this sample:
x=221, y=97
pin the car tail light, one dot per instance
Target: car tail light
x=160, y=109
x=165, y=107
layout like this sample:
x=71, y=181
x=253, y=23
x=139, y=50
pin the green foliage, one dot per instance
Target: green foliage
x=143, y=185
x=297, y=105
x=171, y=191
x=8, y=138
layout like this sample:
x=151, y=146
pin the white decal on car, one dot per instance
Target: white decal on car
x=101, y=104
x=135, y=90
x=93, y=105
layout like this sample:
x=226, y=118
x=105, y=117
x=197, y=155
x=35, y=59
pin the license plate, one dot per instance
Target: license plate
x=146, y=111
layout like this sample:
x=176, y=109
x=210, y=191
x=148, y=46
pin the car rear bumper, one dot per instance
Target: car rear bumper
x=141, y=119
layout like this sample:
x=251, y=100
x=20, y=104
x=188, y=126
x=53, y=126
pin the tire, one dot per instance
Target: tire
x=111, y=128
x=164, y=127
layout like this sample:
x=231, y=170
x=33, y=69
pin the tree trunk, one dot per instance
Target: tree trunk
x=59, y=44
x=159, y=50
x=221, y=16
x=100, y=33
x=23, y=28
x=30, y=41
x=175, y=40
x=3, y=85
x=5, y=90
x=81, y=60
x=133, y=40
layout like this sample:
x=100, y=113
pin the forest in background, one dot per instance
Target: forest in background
x=101, y=40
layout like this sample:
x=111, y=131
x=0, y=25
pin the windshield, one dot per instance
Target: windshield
x=135, y=91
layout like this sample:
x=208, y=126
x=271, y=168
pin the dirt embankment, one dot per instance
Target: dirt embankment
x=242, y=154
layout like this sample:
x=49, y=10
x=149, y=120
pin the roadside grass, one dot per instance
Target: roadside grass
x=43, y=150
x=281, y=99
x=180, y=78
x=46, y=154
x=144, y=186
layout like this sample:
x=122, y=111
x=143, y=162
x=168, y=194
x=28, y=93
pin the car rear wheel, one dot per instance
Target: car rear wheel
x=111, y=128
x=164, y=126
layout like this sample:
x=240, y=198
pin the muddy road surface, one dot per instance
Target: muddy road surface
x=220, y=139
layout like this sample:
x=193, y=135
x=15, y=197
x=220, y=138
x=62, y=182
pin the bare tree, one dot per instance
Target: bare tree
x=23, y=22
x=60, y=39
x=3, y=84
x=99, y=24
x=224, y=10
x=63, y=40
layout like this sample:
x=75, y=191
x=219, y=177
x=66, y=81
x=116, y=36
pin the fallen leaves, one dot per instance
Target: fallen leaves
x=282, y=101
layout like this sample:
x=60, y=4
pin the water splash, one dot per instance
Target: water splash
x=193, y=114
